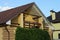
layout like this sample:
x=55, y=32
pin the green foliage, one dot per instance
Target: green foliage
x=31, y=34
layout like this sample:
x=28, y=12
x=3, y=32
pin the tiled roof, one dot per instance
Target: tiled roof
x=57, y=20
x=10, y=14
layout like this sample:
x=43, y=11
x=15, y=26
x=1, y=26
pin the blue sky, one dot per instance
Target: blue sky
x=44, y=5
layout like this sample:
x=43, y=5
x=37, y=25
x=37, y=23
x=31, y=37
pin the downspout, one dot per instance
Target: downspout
x=8, y=32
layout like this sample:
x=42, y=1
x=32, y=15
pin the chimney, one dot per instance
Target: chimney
x=53, y=14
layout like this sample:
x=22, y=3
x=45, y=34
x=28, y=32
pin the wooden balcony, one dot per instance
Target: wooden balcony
x=32, y=24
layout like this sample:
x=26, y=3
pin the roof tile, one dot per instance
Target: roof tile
x=10, y=14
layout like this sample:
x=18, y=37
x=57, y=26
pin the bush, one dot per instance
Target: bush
x=31, y=34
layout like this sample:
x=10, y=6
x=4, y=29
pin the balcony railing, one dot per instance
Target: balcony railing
x=32, y=24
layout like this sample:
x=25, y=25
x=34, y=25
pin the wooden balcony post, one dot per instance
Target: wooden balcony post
x=20, y=20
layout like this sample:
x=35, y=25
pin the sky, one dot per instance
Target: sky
x=44, y=5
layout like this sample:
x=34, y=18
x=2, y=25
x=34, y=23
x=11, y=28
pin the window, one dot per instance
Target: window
x=59, y=36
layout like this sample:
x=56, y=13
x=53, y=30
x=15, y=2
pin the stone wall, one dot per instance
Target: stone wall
x=10, y=35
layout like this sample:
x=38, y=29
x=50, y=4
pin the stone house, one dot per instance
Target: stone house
x=26, y=16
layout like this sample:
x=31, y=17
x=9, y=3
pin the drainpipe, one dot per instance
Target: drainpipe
x=8, y=33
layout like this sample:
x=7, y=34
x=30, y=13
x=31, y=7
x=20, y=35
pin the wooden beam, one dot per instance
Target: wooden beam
x=24, y=20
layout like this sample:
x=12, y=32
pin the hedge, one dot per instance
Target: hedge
x=31, y=34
